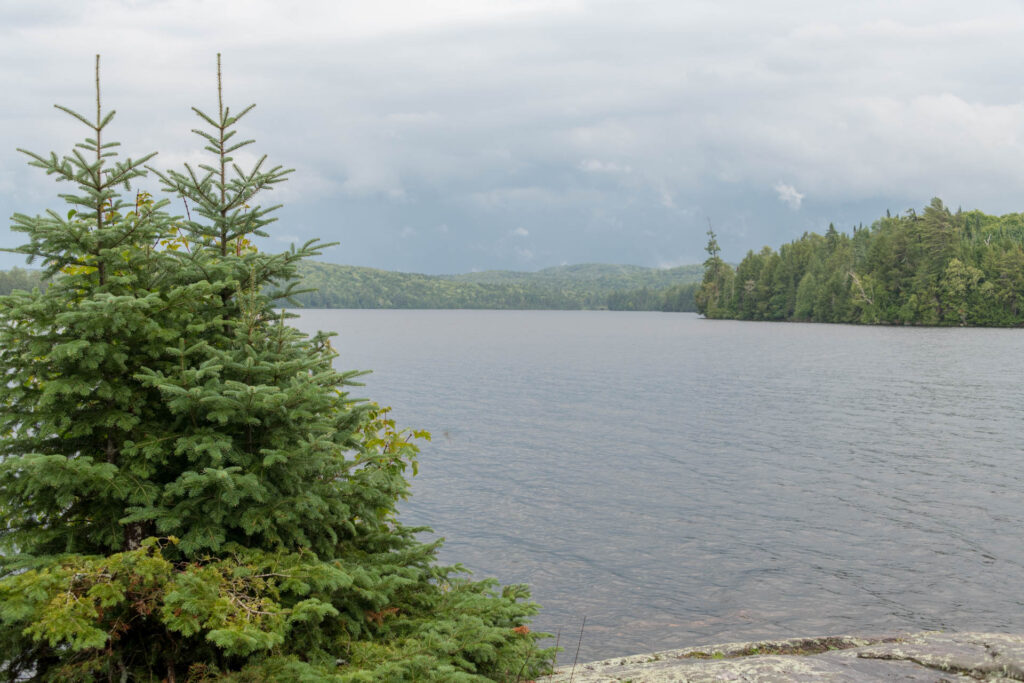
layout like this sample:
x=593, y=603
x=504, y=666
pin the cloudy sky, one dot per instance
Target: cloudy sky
x=453, y=135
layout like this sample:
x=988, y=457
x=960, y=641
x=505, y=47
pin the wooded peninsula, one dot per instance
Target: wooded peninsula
x=935, y=268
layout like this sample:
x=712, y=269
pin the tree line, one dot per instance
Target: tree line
x=585, y=286
x=678, y=299
x=19, y=278
x=334, y=286
x=938, y=267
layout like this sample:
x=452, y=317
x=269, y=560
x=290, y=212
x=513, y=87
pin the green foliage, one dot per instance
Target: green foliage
x=187, y=490
x=680, y=298
x=716, y=290
x=937, y=268
x=587, y=286
x=19, y=278
x=599, y=277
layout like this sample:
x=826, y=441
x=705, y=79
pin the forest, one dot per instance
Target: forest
x=586, y=286
x=938, y=267
x=19, y=278
x=677, y=299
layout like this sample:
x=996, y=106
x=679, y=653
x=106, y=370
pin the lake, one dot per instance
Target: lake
x=680, y=481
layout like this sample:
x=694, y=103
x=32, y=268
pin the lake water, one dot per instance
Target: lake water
x=681, y=481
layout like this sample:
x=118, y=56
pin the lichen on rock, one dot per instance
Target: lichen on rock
x=927, y=656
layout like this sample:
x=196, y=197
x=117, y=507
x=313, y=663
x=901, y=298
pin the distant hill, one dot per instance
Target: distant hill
x=19, y=278
x=585, y=286
x=605, y=276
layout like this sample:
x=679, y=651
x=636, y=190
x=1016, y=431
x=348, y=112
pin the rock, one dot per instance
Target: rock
x=928, y=656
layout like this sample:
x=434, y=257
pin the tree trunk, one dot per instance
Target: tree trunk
x=135, y=533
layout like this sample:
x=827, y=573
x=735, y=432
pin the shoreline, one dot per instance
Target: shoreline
x=931, y=656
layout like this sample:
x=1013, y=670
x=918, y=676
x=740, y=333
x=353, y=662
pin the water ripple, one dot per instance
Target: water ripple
x=679, y=480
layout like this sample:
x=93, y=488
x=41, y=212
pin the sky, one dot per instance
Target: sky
x=458, y=135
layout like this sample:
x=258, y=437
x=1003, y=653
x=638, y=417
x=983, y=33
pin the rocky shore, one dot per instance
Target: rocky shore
x=927, y=656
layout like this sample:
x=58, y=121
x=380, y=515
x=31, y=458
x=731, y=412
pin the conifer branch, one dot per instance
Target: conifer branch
x=73, y=113
x=98, y=119
x=99, y=169
x=221, y=126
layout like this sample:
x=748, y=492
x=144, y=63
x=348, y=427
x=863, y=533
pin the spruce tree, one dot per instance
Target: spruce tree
x=713, y=295
x=187, y=489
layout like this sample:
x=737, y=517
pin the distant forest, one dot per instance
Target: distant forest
x=936, y=268
x=18, y=278
x=588, y=286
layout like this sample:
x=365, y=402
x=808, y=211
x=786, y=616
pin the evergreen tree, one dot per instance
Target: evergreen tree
x=937, y=268
x=713, y=299
x=805, y=294
x=187, y=490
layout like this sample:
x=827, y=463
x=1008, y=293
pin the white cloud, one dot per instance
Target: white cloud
x=517, y=198
x=584, y=118
x=788, y=195
x=596, y=166
x=520, y=232
x=413, y=118
x=667, y=200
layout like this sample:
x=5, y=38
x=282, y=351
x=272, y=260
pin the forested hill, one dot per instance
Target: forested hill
x=591, y=286
x=935, y=268
x=19, y=278
x=602, y=276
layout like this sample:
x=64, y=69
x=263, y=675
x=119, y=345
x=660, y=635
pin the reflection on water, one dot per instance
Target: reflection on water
x=682, y=481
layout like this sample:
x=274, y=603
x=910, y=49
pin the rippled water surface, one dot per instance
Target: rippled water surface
x=681, y=481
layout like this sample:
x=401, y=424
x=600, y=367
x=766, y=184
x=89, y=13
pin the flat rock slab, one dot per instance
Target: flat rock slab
x=927, y=656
